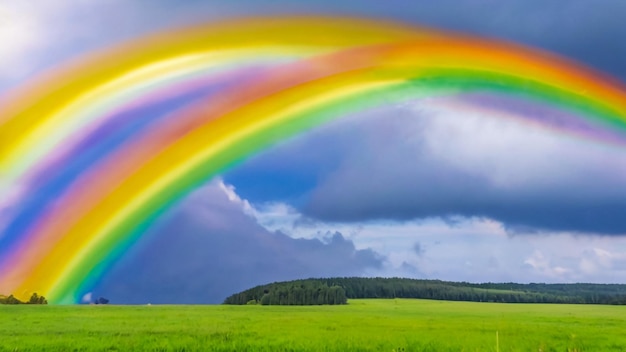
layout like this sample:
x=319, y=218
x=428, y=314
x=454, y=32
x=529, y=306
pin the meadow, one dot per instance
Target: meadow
x=362, y=325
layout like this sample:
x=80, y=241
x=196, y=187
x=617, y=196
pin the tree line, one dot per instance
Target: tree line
x=318, y=291
x=34, y=299
x=305, y=292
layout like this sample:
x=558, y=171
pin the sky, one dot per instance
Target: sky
x=434, y=188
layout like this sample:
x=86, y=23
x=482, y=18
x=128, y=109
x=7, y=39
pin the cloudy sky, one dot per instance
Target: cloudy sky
x=434, y=188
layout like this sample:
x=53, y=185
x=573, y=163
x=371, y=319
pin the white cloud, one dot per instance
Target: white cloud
x=38, y=34
x=22, y=29
x=544, y=267
x=467, y=249
x=512, y=152
x=601, y=262
x=87, y=298
x=232, y=196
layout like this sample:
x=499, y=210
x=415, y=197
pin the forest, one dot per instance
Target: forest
x=338, y=290
x=302, y=292
x=34, y=299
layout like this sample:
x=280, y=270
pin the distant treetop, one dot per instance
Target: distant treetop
x=34, y=299
x=338, y=290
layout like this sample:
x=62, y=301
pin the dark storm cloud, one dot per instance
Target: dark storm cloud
x=403, y=164
x=591, y=32
x=431, y=195
x=561, y=189
x=208, y=248
x=418, y=249
x=587, y=31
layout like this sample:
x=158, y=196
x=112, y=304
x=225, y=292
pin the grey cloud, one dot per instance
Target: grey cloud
x=449, y=170
x=418, y=249
x=207, y=248
x=589, y=32
x=584, y=31
x=410, y=270
x=305, y=222
x=405, y=163
x=493, y=262
x=392, y=180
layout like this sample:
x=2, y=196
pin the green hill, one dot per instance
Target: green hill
x=338, y=290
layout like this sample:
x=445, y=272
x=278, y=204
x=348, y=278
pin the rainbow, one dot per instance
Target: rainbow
x=94, y=151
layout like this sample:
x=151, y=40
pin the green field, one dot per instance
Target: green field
x=362, y=325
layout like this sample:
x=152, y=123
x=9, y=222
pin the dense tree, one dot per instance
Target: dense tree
x=102, y=300
x=338, y=290
x=34, y=299
x=299, y=293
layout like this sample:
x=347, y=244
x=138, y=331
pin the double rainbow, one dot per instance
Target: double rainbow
x=94, y=151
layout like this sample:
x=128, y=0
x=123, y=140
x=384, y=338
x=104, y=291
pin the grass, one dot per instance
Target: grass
x=362, y=325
